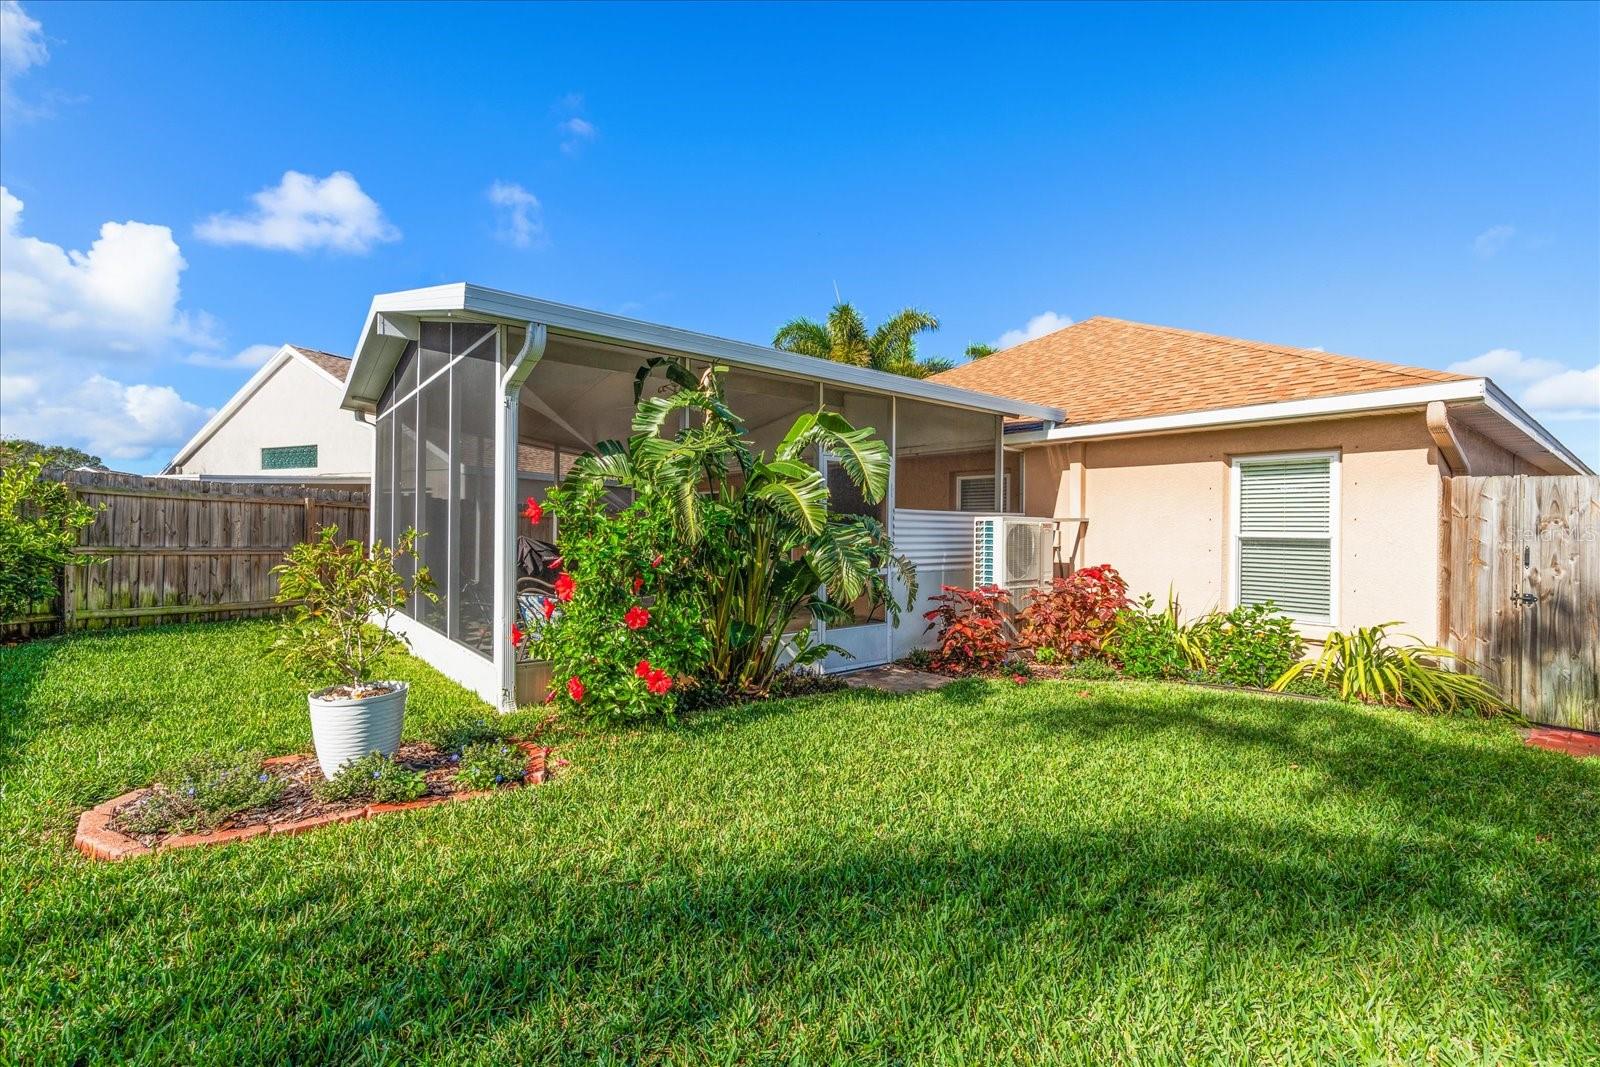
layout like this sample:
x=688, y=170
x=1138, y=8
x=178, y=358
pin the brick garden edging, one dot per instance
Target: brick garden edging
x=96, y=839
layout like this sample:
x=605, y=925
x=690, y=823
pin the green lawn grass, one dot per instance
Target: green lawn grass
x=990, y=872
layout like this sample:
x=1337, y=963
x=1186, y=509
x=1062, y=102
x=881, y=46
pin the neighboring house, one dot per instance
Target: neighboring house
x=1234, y=471
x=284, y=425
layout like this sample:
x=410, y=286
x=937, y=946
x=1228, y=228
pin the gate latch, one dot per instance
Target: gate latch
x=1524, y=598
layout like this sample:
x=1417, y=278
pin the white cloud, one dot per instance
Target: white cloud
x=302, y=213
x=576, y=131
x=1506, y=365
x=98, y=414
x=76, y=325
x=249, y=357
x=121, y=294
x=1549, y=389
x=1571, y=394
x=1038, y=326
x=22, y=48
x=517, y=214
x=1493, y=241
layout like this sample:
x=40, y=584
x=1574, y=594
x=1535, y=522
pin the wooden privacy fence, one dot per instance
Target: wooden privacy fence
x=1522, y=590
x=174, y=551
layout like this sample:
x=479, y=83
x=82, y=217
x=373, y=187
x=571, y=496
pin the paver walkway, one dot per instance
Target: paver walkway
x=1572, y=742
x=893, y=678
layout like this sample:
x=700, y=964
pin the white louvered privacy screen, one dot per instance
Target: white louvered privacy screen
x=1285, y=515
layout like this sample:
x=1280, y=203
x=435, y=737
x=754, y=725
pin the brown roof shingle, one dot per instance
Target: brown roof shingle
x=1103, y=369
x=338, y=366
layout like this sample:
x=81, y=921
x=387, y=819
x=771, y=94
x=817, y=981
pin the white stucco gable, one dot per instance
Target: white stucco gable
x=284, y=425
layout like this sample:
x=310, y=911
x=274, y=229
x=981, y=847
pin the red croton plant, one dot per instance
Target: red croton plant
x=971, y=622
x=1074, y=616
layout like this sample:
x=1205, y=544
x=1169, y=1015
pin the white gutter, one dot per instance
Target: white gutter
x=505, y=507
x=1472, y=390
x=364, y=383
x=1502, y=405
x=1312, y=407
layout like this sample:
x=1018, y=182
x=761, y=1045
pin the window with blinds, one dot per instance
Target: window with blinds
x=1284, y=518
x=975, y=492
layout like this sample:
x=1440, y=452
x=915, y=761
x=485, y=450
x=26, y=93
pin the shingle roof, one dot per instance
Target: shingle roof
x=1103, y=369
x=338, y=366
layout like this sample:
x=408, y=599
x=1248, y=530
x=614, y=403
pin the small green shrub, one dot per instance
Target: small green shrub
x=1365, y=666
x=202, y=794
x=39, y=524
x=628, y=623
x=1250, y=645
x=375, y=777
x=486, y=764
x=337, y=589
x=1045, y=654
x=1091, y=670
x=1154, y=644
x=920, y=659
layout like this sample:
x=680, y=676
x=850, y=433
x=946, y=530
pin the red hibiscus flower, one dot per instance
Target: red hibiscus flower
x=554, y=564
x=658, y=682
x=516, y=636
x=638, y=584
x=637, y=618
x=644, y=670
x=565, y=586
x=549, y=608
x=657, y=561
x=575, y=689
x=533, y=512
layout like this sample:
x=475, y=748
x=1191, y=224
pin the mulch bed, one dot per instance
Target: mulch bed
x=297, y=809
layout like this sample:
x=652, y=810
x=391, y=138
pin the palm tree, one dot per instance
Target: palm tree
x=844, y=338
x=977, y=350
x=764, y=540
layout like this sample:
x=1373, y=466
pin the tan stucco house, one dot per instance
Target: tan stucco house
x=284, y=425
x=1235, y=471
x=1228, y=470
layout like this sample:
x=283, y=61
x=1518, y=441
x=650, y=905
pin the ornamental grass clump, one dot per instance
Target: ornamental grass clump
x=1365, y=666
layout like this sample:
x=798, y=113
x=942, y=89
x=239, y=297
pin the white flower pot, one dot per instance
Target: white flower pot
x=348, y=728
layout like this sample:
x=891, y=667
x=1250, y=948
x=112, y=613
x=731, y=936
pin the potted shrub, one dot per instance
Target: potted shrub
x=344, y=599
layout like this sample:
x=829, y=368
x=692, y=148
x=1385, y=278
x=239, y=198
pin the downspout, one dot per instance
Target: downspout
x=505, y=510
x=1444, y=437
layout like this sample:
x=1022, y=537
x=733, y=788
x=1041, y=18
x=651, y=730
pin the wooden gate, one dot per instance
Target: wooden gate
x=1522, y=590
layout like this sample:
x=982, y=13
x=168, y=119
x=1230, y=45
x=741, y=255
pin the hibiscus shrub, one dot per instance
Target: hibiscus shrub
x=972, y=630
x=1074, y=616
x=626, y=627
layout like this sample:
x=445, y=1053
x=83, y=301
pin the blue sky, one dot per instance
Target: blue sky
x=1414, y=183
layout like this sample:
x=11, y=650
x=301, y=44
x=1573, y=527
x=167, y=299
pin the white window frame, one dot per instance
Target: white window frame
x=1000, y=502
x=1235, y=541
